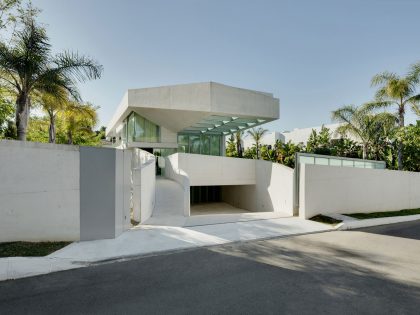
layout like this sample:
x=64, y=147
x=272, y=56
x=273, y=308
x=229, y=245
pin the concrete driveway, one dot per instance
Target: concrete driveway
x=341, y=272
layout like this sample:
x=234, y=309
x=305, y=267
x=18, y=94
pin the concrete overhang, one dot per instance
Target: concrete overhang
x=199, y=107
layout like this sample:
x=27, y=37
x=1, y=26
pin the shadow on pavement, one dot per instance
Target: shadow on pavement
x=264, y=277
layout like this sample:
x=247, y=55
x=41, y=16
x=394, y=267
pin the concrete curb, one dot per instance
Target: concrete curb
x=356, y=224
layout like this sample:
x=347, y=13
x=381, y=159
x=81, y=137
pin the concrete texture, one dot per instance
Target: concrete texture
x=273, y=189
x=331, y=189
x=144, y=184
x=326, y=273
x=207, y=170
x=39, y=191
x=105, y=182
x=97, y=193
x=173, y=172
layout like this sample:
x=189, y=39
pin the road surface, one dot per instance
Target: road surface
x=342, y=272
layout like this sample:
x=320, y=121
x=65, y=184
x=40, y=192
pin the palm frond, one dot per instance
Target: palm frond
x=374, y=105
x=383, y=78
x=414, y=73
x=79, y=68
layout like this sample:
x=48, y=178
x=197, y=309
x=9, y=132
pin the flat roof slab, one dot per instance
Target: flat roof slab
x=180, y=107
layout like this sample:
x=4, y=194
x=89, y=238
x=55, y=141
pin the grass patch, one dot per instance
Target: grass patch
x=30, y=249
x=386, y=214
x=325, y=219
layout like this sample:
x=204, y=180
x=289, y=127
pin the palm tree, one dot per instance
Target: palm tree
x=398, y=91
x=79, y=117
x=361, y=123
x=231, y=147
x=52, y=105
x=28, y=66
x=285, y=152
x=238, y=140
x=257, y=135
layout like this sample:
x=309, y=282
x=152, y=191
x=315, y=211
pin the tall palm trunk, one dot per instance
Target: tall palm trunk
x=258, y=151
x=239, y=148
x=401, y=113
x=364, y=151
x=51, y=129
x=23, y=105
x=69, y=137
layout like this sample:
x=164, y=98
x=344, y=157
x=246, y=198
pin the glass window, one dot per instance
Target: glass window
x=199, y=144
x=140, y=129
x=306, y=160
x=359, y=164
x=130, y=127
x=139, y=132
x=335, y=162
x=348, y=163
x=124, y=132
x=195, y=144
x=183, y=144
x=379, y=165
x=215, y=145
x=321, y=161
x=205, y=144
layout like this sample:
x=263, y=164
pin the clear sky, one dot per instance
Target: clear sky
x=313, y=55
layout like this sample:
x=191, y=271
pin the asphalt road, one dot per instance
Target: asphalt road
x=406, y=229
x=343, y=272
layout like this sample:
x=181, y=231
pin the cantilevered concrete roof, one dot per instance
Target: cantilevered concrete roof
x=198, y=107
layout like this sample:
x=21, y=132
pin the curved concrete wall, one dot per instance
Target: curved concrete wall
x=144, y=184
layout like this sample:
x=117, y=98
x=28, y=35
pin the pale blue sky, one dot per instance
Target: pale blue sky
x=313, y=55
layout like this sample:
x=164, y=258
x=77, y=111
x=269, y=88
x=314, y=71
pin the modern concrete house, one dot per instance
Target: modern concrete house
x=188, y=118
x=86, y=193
x=185, y=126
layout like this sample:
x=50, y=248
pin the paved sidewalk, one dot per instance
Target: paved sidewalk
x=148, y=240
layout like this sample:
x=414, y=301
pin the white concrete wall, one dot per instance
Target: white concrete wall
x=123, y=190
x=206, y=170
x=268, y=139
x=273, y=191
x=329, y=189
x=39, y=192
x=302, y=135
x=127, y=189
x=175, y=173
x=254, y=185
x=144, y=184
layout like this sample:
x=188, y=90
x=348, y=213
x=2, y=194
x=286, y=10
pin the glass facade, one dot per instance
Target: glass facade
x=307, y=158
x=139, y=129
x=199, y=144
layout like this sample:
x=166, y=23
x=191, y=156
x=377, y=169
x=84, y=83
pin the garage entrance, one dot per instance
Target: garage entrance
x=207, y=200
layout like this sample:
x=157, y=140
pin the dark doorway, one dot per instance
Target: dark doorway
x=205, y=194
